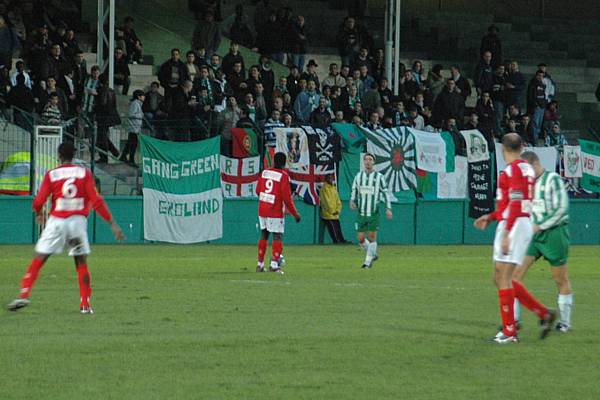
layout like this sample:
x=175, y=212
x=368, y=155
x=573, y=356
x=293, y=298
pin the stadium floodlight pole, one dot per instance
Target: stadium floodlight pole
x=388, y=42
x=111, y=45
x=397, y=25
x=100, y=34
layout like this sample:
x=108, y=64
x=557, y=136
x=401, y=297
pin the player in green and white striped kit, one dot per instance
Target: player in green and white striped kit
x=368, y=189
x=551, y=240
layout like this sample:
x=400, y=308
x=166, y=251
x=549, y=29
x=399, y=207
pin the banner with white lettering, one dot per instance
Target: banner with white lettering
x=481, y=192
x=430, y=150
x=590, y=160
x=183, y=201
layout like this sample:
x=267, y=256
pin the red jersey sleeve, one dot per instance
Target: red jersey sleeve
x=286, y=195
x=42, y=194
x=95, y=199
x=501, y=197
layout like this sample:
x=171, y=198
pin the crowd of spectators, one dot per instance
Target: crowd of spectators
x=201, y=94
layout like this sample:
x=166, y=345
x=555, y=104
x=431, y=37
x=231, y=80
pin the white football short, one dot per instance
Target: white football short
x=61, y=232
x=274, y=225
x=519, y=236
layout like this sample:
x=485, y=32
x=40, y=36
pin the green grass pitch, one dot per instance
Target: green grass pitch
x=196, y=322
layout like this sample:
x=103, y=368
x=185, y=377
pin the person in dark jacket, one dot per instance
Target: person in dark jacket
x=348, y=41
x=321, y=116
x=207, y=35
x=105, y=109
x=270, y=37
x=231, y=58
x=20, y=96
x=498, y=96
x=485, y=111
x=536, y=103
x=298, y=42
x=180, y=109
x=449, y=103
x=463, y=87
x=484, y=75
x=491, y=43
x=172, y=73
x=515, y=85
x=122, y=72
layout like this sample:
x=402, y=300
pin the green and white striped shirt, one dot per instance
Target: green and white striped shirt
x=368, y=190
x=550, y=201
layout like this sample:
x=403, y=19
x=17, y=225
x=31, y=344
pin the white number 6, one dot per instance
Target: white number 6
x=69, y=190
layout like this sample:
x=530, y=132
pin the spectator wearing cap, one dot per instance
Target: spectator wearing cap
x=207, y=35
x=306, y=102
x=231, y=58
x=491, y=42
x=515, y=86
x=334, y=78
x=311, y=73
x=135, y=118
x=463, y=87
x=298, y=42
x=348, y=40
x=536, y=102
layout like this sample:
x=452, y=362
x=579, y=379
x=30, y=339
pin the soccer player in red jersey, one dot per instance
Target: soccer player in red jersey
x=513, y=234
x=274, y=199
x=73, y=192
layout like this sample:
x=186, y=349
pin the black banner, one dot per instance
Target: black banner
x=323, y=145
x=481, y=192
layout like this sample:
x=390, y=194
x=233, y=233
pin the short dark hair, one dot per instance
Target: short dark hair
x=512, y=142
x=279, y=160
x=128, y=19
x=369, y=155
x=530, y=157
x=66, y=151
x=190, y=52
x=175, y=49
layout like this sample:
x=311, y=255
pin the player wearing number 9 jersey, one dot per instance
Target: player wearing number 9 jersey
x=274, y=200
x=73, y=193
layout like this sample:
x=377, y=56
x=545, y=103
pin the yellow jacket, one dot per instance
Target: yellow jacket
x=331, y=205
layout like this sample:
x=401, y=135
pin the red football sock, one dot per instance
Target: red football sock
x=276, y=249
x=528, y=300
x=85, y=288
x=30, y=277
x=507, y=299
x=262, y=250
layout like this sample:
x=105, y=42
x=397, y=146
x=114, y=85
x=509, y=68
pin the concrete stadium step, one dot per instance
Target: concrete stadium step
x=544, y=55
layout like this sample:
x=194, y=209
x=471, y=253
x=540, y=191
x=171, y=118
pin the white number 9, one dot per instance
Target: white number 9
x=269, y=186
x=69, y=190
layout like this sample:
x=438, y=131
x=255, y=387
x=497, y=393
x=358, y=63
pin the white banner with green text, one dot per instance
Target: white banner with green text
x=183, y=201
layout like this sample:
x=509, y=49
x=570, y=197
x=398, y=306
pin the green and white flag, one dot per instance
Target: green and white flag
x=183, y=202
x=590, y=162
x=394, y=151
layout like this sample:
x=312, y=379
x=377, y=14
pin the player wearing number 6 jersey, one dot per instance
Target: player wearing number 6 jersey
x=274, y=199
x=73, y=192
x=513, y=235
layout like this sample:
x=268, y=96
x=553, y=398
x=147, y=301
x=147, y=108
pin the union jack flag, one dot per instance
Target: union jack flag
x=307, y=181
